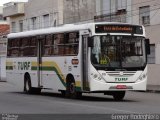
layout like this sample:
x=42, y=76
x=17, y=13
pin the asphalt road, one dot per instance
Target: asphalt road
x=15, y=101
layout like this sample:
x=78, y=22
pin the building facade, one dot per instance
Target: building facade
x=14, y=12
x=31, y=15
x=113, y=10
x=79, y=11
x=4, y=30
x=48, y=13
x=147, y=13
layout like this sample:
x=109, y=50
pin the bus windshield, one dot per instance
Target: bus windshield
x=118, y=52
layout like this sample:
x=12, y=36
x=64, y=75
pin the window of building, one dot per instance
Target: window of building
x=13, y=27
x=21, y=25
x=33, y=23
x=151, y=57
x=46, y=20
x=118, y=16
x=121, y=4
x=144, y=15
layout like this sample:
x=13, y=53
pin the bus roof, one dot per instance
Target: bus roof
x=60, y=29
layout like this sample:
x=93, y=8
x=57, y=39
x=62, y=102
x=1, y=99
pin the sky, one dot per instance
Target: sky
x=6, y=1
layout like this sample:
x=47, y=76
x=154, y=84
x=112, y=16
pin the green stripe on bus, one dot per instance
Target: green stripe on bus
x=51, y=69
x=55, y=70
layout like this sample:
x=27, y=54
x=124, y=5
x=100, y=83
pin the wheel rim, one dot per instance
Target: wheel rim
x=27, y=86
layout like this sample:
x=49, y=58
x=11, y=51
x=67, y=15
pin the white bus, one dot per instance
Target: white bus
x=108, y=58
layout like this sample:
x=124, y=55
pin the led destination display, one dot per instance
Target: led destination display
x=119, y=29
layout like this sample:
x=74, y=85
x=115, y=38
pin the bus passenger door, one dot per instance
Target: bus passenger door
x=85, y=81
x=39, y=61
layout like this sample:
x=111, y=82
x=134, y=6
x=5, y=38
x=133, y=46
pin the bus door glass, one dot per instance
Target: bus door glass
x=85, y=62
x=39, y=60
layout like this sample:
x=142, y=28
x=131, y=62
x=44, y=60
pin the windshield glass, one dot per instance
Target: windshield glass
x=118, y=52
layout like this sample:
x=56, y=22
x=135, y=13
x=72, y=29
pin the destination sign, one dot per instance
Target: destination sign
x=119, y=29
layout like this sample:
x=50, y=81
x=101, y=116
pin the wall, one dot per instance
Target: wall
x=152, y=32
x=153, y=77
x=79, y=11
x=4, y=30
x=37, y=9
x=16, y=19
x=1, y=9
x=107, y=10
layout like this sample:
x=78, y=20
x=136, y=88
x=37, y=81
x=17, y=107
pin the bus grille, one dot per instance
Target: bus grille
x=118, y=74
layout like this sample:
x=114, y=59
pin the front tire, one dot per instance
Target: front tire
x=119, y=95
x=71, y=90
x=28, y=86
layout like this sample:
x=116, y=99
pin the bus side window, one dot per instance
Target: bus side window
x=71, y=45
x=33, y=46
x=48, y=45
x=25, y=48
x=59, y=44
x=14, y=49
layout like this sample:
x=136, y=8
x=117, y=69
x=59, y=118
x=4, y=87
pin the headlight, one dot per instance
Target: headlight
x=96, y=76
x=142, y=77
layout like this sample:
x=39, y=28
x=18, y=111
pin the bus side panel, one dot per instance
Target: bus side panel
x=12, y=75
x=52, y=74
x=17, y=68
x=55, y=71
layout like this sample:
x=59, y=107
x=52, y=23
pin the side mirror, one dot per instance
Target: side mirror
x=148, y=46
x=90, y=42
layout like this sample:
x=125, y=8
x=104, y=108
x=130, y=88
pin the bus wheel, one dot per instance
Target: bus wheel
x=71, y=90
x=119, y=95
x=63, y=92
x=27, y=85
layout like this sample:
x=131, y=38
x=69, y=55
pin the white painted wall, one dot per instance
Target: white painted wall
x=36, y=8
x=152, y=32
x=3, y=50
x=2, y=68
x=1, y=9
x=158, y=53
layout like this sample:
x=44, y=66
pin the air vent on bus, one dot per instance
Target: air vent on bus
x=116, y=74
